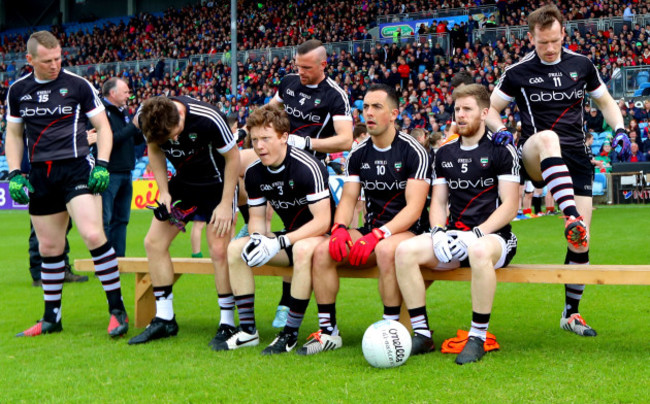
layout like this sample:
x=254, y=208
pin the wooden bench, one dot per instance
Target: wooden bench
x=580, y=274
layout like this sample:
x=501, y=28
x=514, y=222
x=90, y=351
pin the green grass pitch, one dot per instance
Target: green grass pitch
x=538, y=362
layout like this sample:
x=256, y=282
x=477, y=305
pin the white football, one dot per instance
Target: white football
x=386, y=344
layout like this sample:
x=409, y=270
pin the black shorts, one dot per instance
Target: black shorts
x=57, y=182
x=289, y=249
x=580, y=169
x=204, y=197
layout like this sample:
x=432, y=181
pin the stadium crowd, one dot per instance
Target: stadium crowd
x=420, y=70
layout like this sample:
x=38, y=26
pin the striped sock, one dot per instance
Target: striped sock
x=52, y=274
x=327, y=319
x=391, y=312
x=480, y=323
x=557, y=178
x=297, y=310
x=573, y=292
x=420, y=321
x=106, y=270
x=164, y=302
x=227, y=309
x=246, y=309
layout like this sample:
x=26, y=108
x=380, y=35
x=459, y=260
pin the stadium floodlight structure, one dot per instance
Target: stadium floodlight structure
x=233, y=48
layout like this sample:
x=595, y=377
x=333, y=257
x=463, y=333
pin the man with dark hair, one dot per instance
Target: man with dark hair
x=320, y=118
x=116, y=200
x=392, y=169
x=50, y=108
x=195, y=138
x=295, y=184
x=478, y=183
x=550, y=84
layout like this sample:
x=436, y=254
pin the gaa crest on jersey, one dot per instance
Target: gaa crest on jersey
x=485, y=162
x=63, y=92
x=365, y=166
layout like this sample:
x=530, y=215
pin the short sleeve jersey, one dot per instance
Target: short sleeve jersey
x=313, y=109
x=472, y=175
x=552, y=96
x=197, y=153
x=290, y=188
x=383, y=174
x=54, y=114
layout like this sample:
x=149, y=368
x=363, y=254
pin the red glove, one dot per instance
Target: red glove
x=362, y=249
x=340, y=241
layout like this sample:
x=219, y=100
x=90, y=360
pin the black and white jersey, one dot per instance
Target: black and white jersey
x=197, y=153
x=54, y=114
x=290, y=188
x=312, y=109
x=383, y=174
x=472, y=175
x=552, y=96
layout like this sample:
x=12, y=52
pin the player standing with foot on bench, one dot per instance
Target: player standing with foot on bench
x=196, y=139
x=549, y=85
x=295, y=183
x=393, y=170
x=479, y=182
x=51, y=107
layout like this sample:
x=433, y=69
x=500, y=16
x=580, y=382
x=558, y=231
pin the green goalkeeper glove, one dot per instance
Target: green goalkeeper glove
x=99, y=176
x=17, y=185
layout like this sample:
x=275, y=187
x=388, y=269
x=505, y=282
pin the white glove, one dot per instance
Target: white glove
x=460, y=241
x=259, y=250
x=300, y=142
x=440, y=243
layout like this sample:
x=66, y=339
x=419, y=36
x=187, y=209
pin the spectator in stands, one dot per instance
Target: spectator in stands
x=594, y=121
x=637, y=156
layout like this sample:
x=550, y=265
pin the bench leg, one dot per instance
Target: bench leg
x=404, y=317
x=145, y=303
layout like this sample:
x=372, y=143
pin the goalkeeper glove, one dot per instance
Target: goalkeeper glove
x=362, y=249
x=300, y=142
x=99, y=176
x=622, y=145
x=17, y=185
x=503, y=138
x=462, y=240
x=340, y=241
x=440, y=243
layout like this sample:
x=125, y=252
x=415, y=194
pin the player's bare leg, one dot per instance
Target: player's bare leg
x=483, y=256
x=409, y=255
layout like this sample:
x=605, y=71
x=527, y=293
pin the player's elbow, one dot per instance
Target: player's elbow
x=345, y=142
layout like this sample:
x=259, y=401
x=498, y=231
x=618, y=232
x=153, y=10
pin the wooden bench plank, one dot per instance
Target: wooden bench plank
x=522, y=273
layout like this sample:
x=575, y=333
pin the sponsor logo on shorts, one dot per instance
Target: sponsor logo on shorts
x=81, y=187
